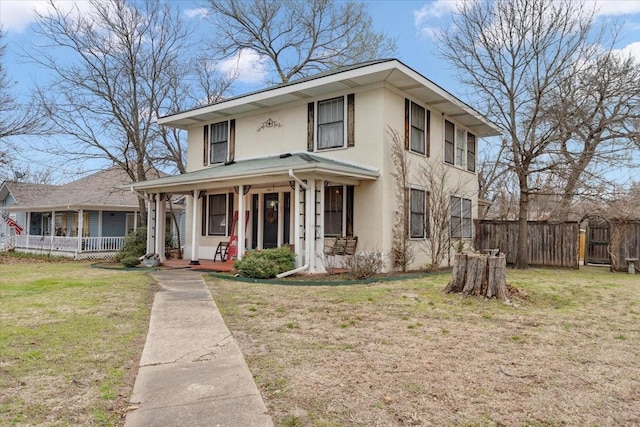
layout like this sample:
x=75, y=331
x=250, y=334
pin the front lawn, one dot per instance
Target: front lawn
x=403, y=353
x=70, y=342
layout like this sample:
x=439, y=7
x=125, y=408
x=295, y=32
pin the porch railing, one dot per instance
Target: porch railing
x=67, y=244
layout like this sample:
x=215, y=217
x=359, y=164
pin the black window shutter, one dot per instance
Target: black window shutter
x=351, y=117
x=205, y=145
x=407, y=113
x=310, y=125
x=427, y=134
x=203, y=230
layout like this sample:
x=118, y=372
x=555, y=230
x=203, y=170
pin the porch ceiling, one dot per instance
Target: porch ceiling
x=262, y=170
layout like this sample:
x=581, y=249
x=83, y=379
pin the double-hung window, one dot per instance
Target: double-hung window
x=338, y=210
x=418, y=214
x=331, y=114
x=418, y=129
x=218, y=142
x=216, y=214
x=459, y=147
x=460, y=217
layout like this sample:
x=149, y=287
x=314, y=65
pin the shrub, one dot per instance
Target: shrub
x=266, y=264
x=365, y=264
x=130, y=261
x=135, y=245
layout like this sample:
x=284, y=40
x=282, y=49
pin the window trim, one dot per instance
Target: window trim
x=317, y=123
x=225, y=142
x=457, y=231
x=206, y=214
x=425, y=214
x=424, y=129
x=346, y=221
x=468, y=157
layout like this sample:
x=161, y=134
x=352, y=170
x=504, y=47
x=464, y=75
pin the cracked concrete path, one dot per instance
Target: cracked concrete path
x=192, y=372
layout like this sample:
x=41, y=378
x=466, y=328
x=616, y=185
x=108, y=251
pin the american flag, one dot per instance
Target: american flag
x=12, y=223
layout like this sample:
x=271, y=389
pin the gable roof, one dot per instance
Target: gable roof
x=267, y=169
x=101, y=190
x=388, y=71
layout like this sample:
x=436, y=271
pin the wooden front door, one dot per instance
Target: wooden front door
x=270, y=221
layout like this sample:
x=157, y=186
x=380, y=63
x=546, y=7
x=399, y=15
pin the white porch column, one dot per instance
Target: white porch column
x=194, y=228
x=52, y=228
x=310, y=232
x=151, y=224
x=161, y=215
x=240, y=223
x=319, y=244
x=296, y=225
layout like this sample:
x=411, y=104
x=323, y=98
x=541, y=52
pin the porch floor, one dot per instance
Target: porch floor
x=205, y=265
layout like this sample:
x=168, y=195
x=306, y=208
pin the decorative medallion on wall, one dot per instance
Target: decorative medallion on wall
x=269, y=123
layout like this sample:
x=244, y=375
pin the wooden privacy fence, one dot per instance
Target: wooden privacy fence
x=551, y=244
x=624, y=242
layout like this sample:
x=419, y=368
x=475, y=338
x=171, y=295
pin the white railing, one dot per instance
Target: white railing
x=68, y=244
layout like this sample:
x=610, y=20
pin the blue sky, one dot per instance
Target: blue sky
x=411, y=23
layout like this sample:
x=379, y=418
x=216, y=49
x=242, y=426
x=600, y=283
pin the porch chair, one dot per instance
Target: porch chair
x=222, y=250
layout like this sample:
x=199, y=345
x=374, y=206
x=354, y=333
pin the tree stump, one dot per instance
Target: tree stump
x=482, y=275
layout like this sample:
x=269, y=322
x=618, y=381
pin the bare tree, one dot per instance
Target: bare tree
x=514, y=55
x=401, y=251
x=119, y=71
x=596, y=107
x=441, y=184
x=16, y=119
x=298, y=37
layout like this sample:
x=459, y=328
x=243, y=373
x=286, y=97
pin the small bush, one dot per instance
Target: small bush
x=364, y=264
x=266, y=264
x=130, y=261
x=135, y=245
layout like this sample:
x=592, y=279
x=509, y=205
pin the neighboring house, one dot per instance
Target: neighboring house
x=87, y=218
x=311, y=160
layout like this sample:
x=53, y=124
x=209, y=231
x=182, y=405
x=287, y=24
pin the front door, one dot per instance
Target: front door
x=270, y=221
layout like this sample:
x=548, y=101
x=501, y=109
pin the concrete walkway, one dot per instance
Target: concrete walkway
x=192, y=372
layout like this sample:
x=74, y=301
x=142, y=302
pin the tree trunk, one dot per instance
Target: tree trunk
x=481, y=275
x=458, y=276
x=522, y=255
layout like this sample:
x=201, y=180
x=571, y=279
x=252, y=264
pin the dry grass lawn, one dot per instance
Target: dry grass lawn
x=403, y=353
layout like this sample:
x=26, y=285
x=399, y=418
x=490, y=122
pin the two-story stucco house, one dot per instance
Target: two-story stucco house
x=312, y=159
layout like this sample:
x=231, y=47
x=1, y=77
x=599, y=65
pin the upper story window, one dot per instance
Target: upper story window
x=331, y=123
x=418, y=128
x=459, y=147
x=219, y=142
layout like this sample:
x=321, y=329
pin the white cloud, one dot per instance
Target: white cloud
x=193, y=13
x=615, y=7
x=434, y=9
x=17, y=15
x=248, y=66
x=632, y=49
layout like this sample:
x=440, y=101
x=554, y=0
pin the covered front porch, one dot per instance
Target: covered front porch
x=75, y=233
x=291, y=199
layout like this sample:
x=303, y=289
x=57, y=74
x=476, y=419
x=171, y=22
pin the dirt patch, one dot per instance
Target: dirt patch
x=403, y=353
